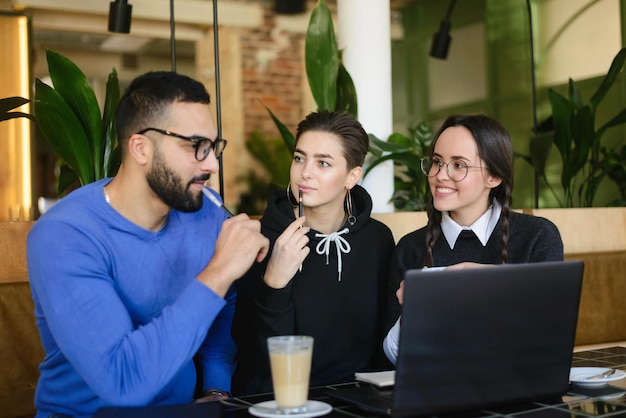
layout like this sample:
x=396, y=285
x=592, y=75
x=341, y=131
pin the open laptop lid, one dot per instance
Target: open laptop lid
x=482, y=337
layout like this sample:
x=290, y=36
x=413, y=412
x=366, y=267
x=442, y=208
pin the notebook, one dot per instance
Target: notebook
x=479, y=338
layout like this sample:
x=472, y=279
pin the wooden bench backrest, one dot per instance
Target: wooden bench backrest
x=13, y=251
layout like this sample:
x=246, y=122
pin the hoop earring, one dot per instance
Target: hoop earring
x=290, y=197
x=351, y=217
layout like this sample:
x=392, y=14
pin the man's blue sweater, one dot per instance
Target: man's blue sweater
x=120, y=312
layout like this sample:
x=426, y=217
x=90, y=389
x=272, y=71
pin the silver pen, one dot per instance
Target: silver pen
x=216, y=202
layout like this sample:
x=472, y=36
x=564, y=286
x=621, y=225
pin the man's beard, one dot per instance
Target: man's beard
x=167, y=185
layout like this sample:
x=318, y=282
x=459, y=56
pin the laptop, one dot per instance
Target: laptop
x=479, y=338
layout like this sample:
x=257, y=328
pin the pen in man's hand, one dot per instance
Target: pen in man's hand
x=216, y=202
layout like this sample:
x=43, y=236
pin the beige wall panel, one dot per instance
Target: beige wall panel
x=235, y=159
x=15, y=176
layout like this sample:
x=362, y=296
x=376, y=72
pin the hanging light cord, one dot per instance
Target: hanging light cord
x=533, y=89
x=172, y=37
x=218, y=102
x=450, y=7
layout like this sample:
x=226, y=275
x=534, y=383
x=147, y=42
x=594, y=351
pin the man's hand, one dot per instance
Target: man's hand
x=238, y=246
x=212, y=395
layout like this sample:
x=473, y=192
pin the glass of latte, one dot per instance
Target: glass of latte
x=290, y=362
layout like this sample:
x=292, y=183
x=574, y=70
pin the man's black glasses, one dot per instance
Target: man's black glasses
x=202, y=145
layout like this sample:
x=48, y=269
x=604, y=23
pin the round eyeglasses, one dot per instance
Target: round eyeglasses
x=457, y=169
x=203, y=146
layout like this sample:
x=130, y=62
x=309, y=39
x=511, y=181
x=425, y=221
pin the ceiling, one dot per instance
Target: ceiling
x=56, y=37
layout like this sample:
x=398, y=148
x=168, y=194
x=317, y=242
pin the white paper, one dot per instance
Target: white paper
x=386, y=378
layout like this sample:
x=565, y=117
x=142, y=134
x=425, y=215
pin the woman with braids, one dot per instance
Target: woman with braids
x=470, y=222
x=328, y=273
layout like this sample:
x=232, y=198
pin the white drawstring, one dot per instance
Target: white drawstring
x=323, y=247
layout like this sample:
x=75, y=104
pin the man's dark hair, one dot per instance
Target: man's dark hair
x=146, y=100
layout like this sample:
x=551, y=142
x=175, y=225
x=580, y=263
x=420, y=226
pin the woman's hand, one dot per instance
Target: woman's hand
x=288, y=253
x=467, y=265
x=459, y=266
x=400, y=292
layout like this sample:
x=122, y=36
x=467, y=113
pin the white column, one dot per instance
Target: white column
x=363, y=33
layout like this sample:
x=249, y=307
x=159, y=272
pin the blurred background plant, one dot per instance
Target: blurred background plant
x=69, y=118
x=331, y=85
x=411, y=191
x=8, y=106
x=275, y=160
x=333, y=89
x=585, y=160
x=615, y=166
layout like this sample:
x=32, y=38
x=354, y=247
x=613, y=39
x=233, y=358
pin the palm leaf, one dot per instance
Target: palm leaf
x=322, y=57
x=63, y=130
x=407, y=158
x=73, y=86
x=9, y=103
x=346, y=93
x=288, y=138
x=390, y=145
x=609, y=79
x=110, y=161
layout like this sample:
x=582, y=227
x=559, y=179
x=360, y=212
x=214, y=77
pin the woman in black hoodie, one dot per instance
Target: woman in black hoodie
x=327, y=276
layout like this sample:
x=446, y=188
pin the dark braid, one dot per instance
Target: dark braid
x=496, y=150
x=432, y=233
x=504, y=216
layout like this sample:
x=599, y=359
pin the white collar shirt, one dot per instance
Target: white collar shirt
x=482, y=228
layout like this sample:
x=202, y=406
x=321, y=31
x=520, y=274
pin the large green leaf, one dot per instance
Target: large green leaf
x=574, y=95
x=70, y=82
x=63, y=131
x=67, y=180
x=582, y=127
x=540, y=146
x=616, y=120
x=422, y=136
x=390, y=145
x=109, y=163
x=346, y=93
x=609, y=79
x=287, y=136
x=273, y=155
x=562, y=111
x=322, y=57
x=9, y=103
x=407, y=158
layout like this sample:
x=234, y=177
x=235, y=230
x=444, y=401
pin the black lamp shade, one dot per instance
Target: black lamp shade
x=441, y=41
x=119, y=16
x=290, y=7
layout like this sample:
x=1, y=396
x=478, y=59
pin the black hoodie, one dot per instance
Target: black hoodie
x=344, y=312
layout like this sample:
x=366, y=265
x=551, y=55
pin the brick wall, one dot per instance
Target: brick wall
x=272, y=75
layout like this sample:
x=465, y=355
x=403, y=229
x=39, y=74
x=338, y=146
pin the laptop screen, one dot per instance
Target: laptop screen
x=481, y=337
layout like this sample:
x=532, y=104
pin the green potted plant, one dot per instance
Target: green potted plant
x=69, y=118
x=571, y=129
x=411, y=191
x=330, y=83
x=275, y=159
x=333, y=89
